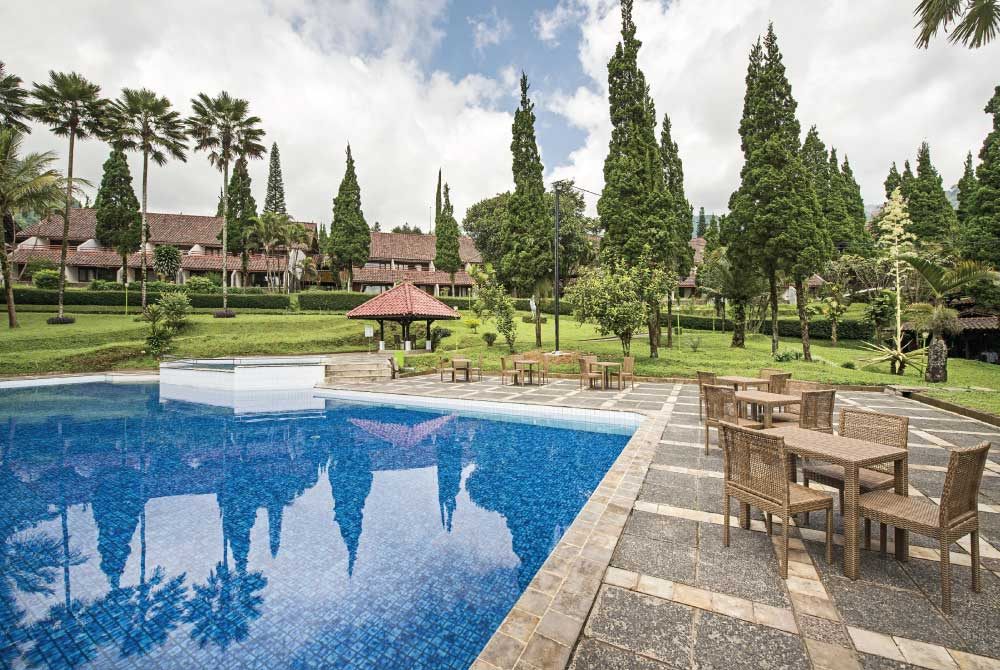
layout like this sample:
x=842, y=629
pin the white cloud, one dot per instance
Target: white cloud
x=549, y=23
x=853, y=68
x=317, y=83
x=488, y=29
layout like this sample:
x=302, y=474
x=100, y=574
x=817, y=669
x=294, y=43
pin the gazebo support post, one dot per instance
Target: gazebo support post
x=381, y=335
x=427, y=343
x=406, y=335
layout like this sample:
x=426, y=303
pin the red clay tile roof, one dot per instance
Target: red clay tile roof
x=419, y=277
x=405, y=300
x=409, y=247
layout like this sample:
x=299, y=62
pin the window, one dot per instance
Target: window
x=378, y=265
x=375, y=288
x=90, y=274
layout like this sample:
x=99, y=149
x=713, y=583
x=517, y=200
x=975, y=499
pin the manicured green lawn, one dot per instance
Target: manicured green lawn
x=109, y=342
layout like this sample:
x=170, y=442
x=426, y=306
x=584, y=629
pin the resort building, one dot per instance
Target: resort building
x=399, y=257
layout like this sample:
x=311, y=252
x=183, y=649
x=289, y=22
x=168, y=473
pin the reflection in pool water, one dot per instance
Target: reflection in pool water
x=141, y=533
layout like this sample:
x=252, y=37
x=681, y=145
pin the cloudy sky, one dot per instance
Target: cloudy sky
x=417, y=84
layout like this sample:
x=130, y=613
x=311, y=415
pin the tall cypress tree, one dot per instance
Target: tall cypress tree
x=817, y=162
x=119, y=221
x=446, y=256
x=240, y=215
x=350, y=240
x=437, y=200
x=274, y=201
x=702, y=227
x=966, y=191
x=932, y=219
x=982, y=229
x=678, y=254
x=834, y=207
x=892, y=181
x=854, y=203
x=906, y=180
x=527, y=241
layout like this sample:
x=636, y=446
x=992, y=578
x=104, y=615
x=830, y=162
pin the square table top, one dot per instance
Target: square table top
x=766, y=398
x=606, y=364
x=836, y=449
x=737, y=379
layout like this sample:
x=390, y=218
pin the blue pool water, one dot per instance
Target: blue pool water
x=136, y=533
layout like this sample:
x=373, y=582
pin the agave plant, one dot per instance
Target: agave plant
x=894, y=356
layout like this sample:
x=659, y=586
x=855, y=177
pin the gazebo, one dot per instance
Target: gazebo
x=404, y=304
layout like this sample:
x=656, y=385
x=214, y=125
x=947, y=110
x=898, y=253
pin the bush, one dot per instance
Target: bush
x=198, y=284
x=438, y=334
x=472, y=323
x=224, y=314
x=786, y=356
x=46, y=279
x=36, y=264
x=332, y=301
x=59, y=320
x=694, y=343
x=819, y=329
x=104, y=285
x=175, y=307
x=528, y=319
x=158, y=338
x=489, y=338
x=848, y=365
x=31, y=296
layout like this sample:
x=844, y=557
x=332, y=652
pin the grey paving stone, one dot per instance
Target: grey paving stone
x=666, y=560
x=649, y=626
x=593, y=655
x=824, y=630
x=871, y=662
x=748, y=568
x=663, y=528
x=726, y=643
x=874, y=568
x=688, y=458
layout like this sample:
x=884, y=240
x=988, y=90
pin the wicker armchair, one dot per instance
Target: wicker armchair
x=477, y=369
x=886, y=429
x=446, y=367
x=755, y=467
x=626, y=372
x=586, y=373
x=704, y=379
x=543, y=368
x=956, y=517
x=508, y=369
x=790, y=414
x=776, y=379
x=721, y=407
x=815, y=411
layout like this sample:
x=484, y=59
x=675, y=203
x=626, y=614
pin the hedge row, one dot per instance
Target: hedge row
x=818, y=328
x=342, y=301
x=33, y=296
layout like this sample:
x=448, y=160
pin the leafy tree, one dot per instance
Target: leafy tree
x=702, y=226
x=350, y=240
x=267, y=231
x=494, y=302
x=731, y=276
x=966, y=192
x=223, y=127
x=13, y=102
x=145, y=122
x=892, y=181
x=526, y=241
x=982, y=229
x=71, y=107
x=27, y=184
x=932, y=219
x=407, y=229
x=167, y=261
x=274, y=200
x=611, y=297
x=976, y=21
x=291, y=234
x=376, y=227
x=118, y=217
x=446, y=257
x=240, y=214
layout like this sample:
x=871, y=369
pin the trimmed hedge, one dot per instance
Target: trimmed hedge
x=32, y=296
x=342, y=301
x=818, y=328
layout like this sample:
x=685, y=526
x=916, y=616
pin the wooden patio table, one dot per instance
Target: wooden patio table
x=852, y=455
x=606, y=367
x=767, y=402
x=742, y=383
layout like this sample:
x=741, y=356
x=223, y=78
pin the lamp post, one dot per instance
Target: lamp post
x=555, y=247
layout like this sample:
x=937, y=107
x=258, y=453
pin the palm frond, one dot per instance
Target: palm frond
x=979, y=25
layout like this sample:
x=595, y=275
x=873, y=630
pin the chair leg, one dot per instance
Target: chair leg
x=700, y=400
x=945, y=547
x=706, y=439
x=842, y=501
x=829, y=534
x=784, y=548
x=883, y=538
x=868, y=534
x=745, y=516
x=725, y=521
x=805, y=482
x=977, y=584
x=768, y=523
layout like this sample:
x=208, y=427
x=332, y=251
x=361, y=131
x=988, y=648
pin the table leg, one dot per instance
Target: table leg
x=851, y=556
x=767, y=409
x=901, y=537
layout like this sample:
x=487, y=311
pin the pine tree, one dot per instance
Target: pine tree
x=702, y=223
x=932, y=219
x=982, y=229
x=906, y=180
x=527, y=241
x=239, y=217
x=678, y=254
x=350, y=239
x=966, y=191
x=274, y=201
x=817, y=162
x=834, y=207
x=854, y=203
x=712, y=234
x=220, y=207
x=119, y=220
x=437, y=200
x=892, y=181
x=447, y=258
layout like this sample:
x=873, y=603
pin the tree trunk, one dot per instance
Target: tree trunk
x=538, y=315
x=69, y=204
x=937, y=361
x=772, y=285
x=739, y=324
x=143, y=233
x=225, y=233
x=654, y=329
x=8, y=286
x=670, y=322
x=800, y=302
x=833, y=332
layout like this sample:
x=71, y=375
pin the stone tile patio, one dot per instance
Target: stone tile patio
x=641, y=579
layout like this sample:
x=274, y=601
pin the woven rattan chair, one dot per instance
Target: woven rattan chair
x=755, y=467
x=721, y=407
x=477, y=369
x=776, y=379
x=543, y=369
x=790, y=414
x=626, y=372
x=446, y=367
x=586, y=373
x=704, y=379
x=815, y=411
x=956, y=517
x=886, y=429
x=507, y=369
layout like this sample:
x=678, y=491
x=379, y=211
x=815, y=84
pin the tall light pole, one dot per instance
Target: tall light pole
x=555, y=247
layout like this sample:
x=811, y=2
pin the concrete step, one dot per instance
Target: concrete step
x=354, y=379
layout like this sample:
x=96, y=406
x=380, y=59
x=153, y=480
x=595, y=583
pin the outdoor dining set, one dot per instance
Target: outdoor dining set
x=766, y=424
x=533, y=368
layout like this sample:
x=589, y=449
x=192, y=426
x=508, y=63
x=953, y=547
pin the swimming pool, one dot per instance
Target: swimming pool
x=140, y=532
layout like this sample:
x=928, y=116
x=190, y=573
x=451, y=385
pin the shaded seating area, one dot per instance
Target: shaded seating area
x=403, y=304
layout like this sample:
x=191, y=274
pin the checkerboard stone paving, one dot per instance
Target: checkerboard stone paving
x=669, y=595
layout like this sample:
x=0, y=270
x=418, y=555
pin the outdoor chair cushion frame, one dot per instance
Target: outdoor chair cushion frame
x=756, y=469
x=956, y=516
x=704, y=379
x=721, y=407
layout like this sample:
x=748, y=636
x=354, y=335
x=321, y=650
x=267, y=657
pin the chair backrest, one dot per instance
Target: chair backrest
x=816, y=410
x=503, y=363
x=960, y=498
x=706, y=379
x=755, y=462
x=777, y=379
x=720, y=403
x=584, y=365
x=797, y=386
x=628, y=364
x=461, y=365
x=886, y=429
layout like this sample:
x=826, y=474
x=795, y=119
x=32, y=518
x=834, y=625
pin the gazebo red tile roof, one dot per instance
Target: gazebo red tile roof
x=404, y=301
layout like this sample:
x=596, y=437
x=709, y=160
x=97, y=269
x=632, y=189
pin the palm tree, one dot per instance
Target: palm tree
x=12, y=101
x=145, y=122
x=26, y=185
x=223, y=127
x=267, y=230
x=290, y=234
x=307, y=270
x=936, y=317
x=976, y=21
x=71, y=107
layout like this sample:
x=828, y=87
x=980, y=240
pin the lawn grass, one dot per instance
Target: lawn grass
x=113, y=341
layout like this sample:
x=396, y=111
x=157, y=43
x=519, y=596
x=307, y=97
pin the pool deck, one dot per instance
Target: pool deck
x=641, y=579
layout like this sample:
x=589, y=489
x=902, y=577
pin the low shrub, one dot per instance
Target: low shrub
x=849, y=365
x=489, y=338
x=224, y=314
x=437, y=334
x=33, y=296
x=175, y=306
x=158, y=338
x=60, y=320
x=785, y=356
x=694, y=343
x=529, y=319
x=199, y=284
x=472, y=323
x=36, y=264
x=332, y=301
x=46, y=279
x=104, y=285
